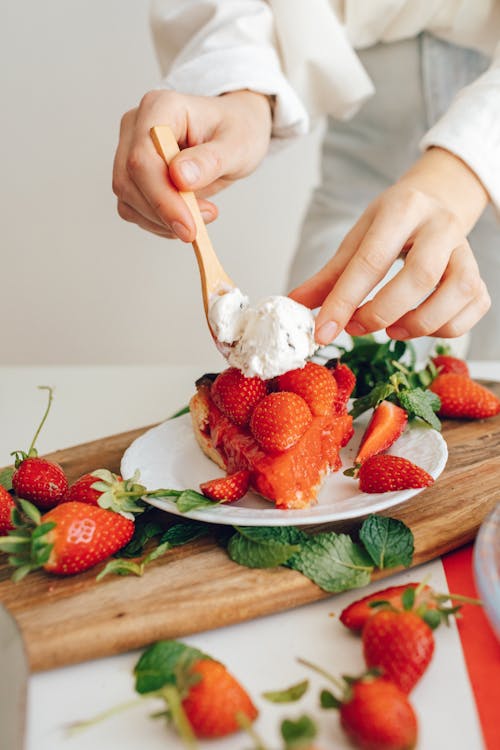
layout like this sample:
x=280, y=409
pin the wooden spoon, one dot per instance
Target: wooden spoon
x=214, y=280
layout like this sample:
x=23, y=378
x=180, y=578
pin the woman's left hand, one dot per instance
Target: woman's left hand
x=425, y=217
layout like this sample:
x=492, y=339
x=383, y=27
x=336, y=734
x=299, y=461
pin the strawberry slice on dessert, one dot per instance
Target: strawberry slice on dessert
x=227, y=489
x=386, y=425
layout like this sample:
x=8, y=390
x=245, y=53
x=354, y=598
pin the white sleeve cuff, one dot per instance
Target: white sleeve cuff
x=470, y=129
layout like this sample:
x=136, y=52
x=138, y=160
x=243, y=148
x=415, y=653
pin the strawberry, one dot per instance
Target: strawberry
x=400, y=643
x=346, y=382
x=386, y=425
x=213, y=703
x=378, y=716
x=279, y=421
x=35, y=479
x=82, y=491
x=463, y=398
x=107, y=490
x=446, y=363
x=227, y=489
x=236, y=396
x=41, y=482
x=7, y=505
x=315, y=384
x=387, y=473
x=356, y=614
x=68, y=539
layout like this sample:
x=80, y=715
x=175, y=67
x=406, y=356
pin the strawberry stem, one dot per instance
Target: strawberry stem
x=244, y=722
x=171, y=695
x=334, y=680
x=80, y=726
x=51, y=392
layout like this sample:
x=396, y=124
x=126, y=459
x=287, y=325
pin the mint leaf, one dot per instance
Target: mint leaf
x=144, y=530
x=388, y=541
x=379, y=393
x=6, y=477
x=288, y=695
x=264, y=546
x=182, y=533
x=121, y=568
x=328, y=700
x=420, y=403
x=374, y=362
x=298, y=733
x=162, y=663
x=333, y=561
x=189, y=500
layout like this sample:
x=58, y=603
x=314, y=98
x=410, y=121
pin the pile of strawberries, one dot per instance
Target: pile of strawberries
x=461, y=397
x=75, y=532
x=277, y=412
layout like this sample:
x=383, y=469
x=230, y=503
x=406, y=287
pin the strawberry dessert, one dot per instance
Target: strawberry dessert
x=284, y=433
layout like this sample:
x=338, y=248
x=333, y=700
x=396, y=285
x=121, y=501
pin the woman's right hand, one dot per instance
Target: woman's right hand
x=222, y=138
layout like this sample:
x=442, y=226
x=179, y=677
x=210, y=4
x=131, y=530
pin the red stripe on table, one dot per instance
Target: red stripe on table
x=481, y=648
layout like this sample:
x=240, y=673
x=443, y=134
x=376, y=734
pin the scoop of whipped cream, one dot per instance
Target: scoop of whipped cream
x=267, y=339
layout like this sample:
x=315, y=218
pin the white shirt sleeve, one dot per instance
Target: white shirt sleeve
x=470, y=129
x=211, y=47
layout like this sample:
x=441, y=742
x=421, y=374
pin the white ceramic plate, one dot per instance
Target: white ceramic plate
x=168, y=456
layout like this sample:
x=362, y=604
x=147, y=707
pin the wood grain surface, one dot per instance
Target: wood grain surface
x=197, y=587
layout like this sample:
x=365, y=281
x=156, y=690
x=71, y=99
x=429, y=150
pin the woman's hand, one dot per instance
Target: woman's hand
x=222, y=139
x=425, y=216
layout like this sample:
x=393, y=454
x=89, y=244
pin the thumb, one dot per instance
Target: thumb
x=198, y=167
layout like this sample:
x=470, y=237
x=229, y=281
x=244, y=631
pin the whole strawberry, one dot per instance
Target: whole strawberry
x=7, y=505
x=315, y=384
x=68, y=539
x=213, y=703
x=356, y=614
x=446, y=363
x=279, y=421
x=107, y=490
x=236, y=396
x=463, y=398
x=400, y=643
x=227, y=489
x=387, y=473
x=41, y=482
x=378, y=716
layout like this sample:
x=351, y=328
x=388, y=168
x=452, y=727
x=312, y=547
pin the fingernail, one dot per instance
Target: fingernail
x=181, y=231
x=326, y=333
x=207, y=216
x=397, y=332
x=355, y=329
x=190, y=171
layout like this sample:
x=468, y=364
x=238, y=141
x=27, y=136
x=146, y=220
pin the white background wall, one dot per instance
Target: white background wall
x=79, y=285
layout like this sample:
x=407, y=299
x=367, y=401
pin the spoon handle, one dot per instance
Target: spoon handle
x=213, y=277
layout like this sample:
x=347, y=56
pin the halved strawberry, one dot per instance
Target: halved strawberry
x=227, y=489
x=236, y=396
x=346, y=382
x=386, y=473
x=356, y=614
x=386, y=425
x=315, y=384
x=279, y=421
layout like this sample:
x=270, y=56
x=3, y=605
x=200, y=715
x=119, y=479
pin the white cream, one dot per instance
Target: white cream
x=267, y=339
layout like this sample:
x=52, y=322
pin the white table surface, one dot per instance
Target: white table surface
x=91, y=402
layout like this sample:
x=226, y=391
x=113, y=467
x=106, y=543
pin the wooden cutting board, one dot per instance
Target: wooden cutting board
x=197, y=587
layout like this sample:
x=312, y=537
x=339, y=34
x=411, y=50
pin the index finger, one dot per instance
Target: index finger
x=377, y=251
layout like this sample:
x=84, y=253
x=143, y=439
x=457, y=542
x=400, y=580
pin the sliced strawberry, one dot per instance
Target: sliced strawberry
x=463, y=398
x=386, y=425
x=346, y=382
x=386, y=473
x=236, y=396
x=279, y=421
x=446, y=363
x=227, y=489
x=356, y=614
x=315, y=384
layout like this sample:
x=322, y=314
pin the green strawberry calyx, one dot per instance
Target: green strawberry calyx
x=29, y=544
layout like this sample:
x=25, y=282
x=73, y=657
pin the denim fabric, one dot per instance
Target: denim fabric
x=415, y=81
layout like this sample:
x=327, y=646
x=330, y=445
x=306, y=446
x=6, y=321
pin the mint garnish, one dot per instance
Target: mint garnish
x=389, y=542
x=333, y=561
x=288, y=695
